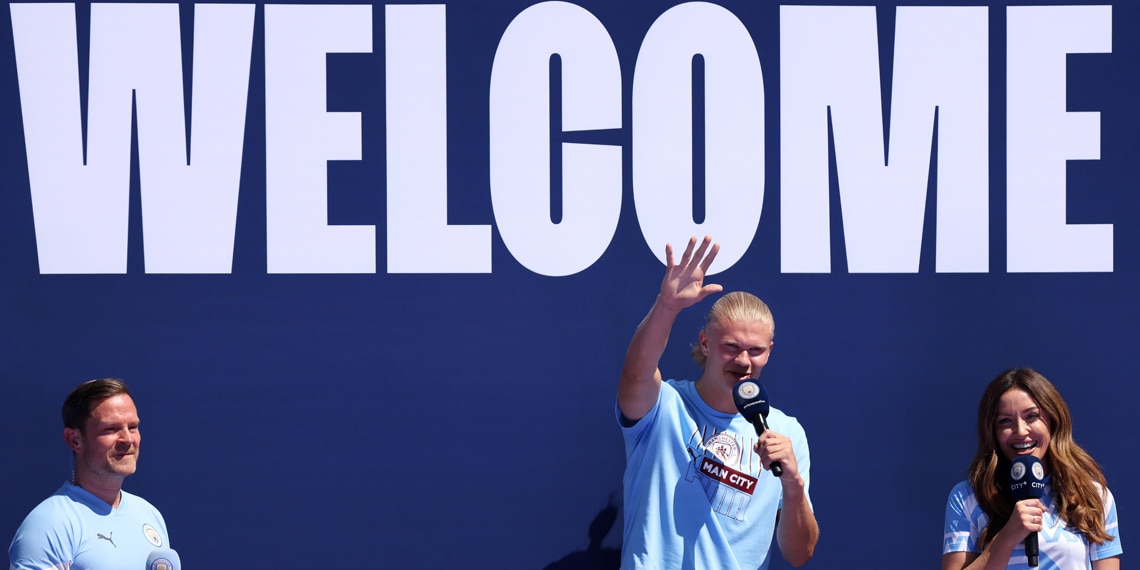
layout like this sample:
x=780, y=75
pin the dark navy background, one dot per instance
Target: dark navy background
x=429, y=421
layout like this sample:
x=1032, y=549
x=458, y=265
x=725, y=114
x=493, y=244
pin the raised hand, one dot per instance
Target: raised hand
x=684, y=285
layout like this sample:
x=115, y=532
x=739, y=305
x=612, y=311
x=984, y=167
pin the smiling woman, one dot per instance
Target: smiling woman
x=1022, y=414
x=1021, y=427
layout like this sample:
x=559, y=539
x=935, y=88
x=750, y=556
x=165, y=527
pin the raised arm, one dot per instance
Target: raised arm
x=682, y=287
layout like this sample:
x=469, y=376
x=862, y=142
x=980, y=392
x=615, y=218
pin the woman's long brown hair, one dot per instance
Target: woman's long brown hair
x=1073, y=472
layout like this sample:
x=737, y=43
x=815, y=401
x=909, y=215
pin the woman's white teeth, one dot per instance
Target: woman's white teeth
x=1024, y=445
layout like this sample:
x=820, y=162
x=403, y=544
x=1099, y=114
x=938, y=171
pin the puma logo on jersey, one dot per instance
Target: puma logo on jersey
x=107, y=538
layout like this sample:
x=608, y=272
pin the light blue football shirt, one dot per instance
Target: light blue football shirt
x=696, y=496
x=75, y=530
x=1060, y=547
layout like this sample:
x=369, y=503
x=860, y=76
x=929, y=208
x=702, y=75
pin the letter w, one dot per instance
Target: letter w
x=81, y=197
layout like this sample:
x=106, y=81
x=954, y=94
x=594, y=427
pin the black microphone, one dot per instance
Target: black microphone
x=752, y=402
x=1026, y=481
x=163, y=559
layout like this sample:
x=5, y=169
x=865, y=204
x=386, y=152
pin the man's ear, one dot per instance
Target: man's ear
x=73, y=439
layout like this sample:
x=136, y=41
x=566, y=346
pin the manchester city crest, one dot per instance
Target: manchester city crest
x=724, y=447
x=748, y=389
x=1018, y=471
x=152, y=535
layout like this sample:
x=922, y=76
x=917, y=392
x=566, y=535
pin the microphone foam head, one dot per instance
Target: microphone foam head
x=1026, y=478
x=163, y=559
x=751, y=398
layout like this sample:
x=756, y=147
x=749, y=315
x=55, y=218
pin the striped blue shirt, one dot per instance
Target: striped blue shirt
x=1061, y=547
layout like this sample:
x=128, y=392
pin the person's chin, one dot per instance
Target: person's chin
x=125, y=467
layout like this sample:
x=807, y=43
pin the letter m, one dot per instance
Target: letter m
x=830, y=87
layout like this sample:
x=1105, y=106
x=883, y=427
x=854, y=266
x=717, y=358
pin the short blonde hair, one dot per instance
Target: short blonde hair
x=734, y=307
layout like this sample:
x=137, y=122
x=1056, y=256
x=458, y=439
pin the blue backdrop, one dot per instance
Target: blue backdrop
x=375, y=308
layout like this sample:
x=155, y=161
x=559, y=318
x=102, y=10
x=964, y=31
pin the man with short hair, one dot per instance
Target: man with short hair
x=90, y=523
x=697, y=494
